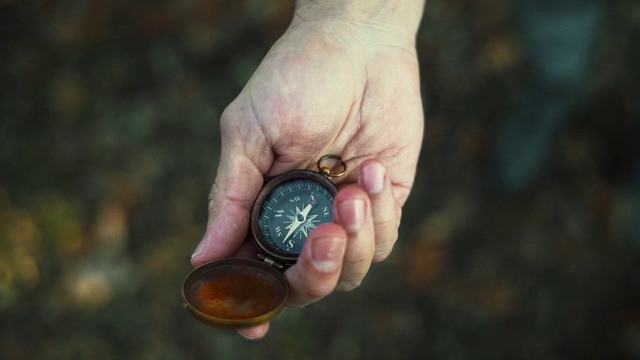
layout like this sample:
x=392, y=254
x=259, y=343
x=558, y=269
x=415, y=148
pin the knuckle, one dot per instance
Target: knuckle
x=381, y=254
x=387, y=223
x=384, y=244
x=317, y=292
x=315, y=288
x=348, y=284
x=358, y=260
x=214, y=198
x=231, y=110
x=359, y=256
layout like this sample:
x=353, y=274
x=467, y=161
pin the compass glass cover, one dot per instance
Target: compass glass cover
x=235, y=293
x=291, y=211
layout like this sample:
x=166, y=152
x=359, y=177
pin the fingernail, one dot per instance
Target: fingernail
x=326, y=253
x=372, y=178
x=351, y=214
x=198, y=249
x=246, y=336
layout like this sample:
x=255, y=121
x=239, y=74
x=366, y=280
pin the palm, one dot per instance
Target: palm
x=332, y=97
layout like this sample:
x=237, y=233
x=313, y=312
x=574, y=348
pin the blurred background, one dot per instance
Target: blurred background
x=109, y=142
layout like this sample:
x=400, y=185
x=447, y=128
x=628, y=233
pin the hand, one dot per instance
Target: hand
x=326, y=87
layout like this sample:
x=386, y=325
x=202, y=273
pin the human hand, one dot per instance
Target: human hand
x=326, y=87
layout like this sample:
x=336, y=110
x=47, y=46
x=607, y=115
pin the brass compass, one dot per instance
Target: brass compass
x=239, y=293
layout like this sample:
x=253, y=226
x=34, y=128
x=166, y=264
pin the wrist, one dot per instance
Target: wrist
x=394, y=18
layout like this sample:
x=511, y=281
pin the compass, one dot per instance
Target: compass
x=238, y=293
x=288, y=208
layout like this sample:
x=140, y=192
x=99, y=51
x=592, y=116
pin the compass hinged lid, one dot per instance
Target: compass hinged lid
x=235, y=293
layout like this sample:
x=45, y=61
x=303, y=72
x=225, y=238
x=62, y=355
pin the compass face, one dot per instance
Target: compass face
x=290, y=211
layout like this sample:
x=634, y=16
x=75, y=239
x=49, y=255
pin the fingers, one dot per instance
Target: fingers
x=352, y=211
x=318, y=268
x=316, y=273
x=338, y=255
x=256, y=332
x=366, y=219
x=386, y=213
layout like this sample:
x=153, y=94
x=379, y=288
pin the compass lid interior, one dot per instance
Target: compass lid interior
x=235, y=293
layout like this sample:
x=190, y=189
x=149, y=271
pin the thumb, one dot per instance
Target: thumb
x=236, y=186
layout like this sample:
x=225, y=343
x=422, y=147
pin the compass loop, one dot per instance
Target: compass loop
x=328, y=171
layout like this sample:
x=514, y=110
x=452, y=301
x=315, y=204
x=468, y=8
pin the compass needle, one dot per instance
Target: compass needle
x=292, y=227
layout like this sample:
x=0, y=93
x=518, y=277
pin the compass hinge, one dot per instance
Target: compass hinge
x=270, y=261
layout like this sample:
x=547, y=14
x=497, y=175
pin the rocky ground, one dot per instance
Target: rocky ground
x=109, y=143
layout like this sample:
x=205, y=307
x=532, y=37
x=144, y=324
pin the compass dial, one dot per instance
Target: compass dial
x=291, y=211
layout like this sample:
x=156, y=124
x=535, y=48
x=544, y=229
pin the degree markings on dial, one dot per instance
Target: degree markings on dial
x=295, y=199
x=283, y=220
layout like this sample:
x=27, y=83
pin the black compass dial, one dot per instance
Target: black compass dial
x=291, y=211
